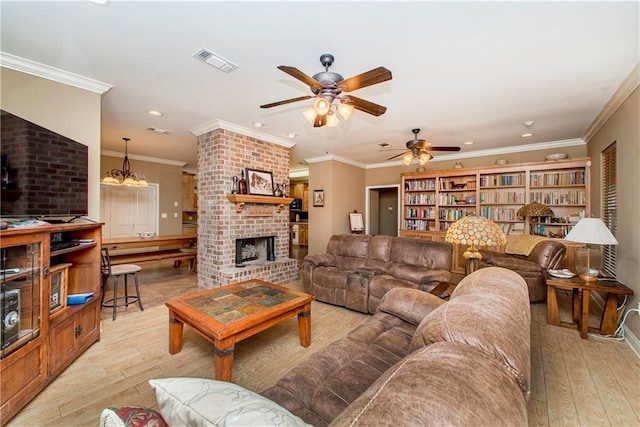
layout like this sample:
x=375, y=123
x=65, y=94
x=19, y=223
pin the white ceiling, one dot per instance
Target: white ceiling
x=470, y=71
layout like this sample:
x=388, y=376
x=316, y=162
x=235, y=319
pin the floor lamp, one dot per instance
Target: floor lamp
x=475, y=231
x=588, y=260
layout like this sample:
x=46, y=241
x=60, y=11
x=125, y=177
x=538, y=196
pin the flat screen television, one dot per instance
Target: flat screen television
x=44, y=174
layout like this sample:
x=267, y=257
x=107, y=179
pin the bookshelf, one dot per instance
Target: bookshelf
x=435, y=199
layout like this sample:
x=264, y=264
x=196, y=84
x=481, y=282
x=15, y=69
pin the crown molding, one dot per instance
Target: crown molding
x=491, y=152
x=625, y=89
x=340, y=159
x=37, y=69
x=143, y=158
x=221, y=124
x=299, y=173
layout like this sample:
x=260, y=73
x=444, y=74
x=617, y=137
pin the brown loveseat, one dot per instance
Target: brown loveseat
x=531, y=263
x=422, y=361
x=358, y=270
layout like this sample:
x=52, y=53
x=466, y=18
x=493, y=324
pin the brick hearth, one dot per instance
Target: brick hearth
x=222, y=154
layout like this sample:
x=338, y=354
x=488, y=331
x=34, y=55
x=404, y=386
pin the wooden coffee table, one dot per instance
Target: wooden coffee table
x=229, y=314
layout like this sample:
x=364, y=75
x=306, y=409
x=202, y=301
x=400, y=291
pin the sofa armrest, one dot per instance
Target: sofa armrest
x=431, y=278
x=513, y=263
x=410, y=305
x=320, y=260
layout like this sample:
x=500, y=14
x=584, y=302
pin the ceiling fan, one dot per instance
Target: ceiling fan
x=328, y=86
x=420, y=149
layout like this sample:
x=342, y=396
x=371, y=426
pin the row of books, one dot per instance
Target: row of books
x=541, y=179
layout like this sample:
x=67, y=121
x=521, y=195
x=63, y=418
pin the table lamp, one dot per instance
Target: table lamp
x=588, y=260
x=475, y=231
x=534, y=210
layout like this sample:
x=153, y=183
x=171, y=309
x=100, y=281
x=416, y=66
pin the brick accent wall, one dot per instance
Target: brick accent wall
x=223, y=154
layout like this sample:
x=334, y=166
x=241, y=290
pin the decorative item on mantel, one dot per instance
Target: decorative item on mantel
x=234, y=185
x=242, y=184
x=277, y=192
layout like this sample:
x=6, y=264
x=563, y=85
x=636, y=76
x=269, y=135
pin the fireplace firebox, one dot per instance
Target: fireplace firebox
x=255, y=250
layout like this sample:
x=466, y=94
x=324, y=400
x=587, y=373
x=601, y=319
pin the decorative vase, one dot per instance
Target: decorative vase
x=242, y=184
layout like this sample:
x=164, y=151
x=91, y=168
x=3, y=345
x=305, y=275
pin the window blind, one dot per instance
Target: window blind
x=609, y=207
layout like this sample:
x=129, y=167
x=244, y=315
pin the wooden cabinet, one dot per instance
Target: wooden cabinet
x=300, y=191
x=51, y=334
x=303, y=234
x=431, y=201
x=189, y=192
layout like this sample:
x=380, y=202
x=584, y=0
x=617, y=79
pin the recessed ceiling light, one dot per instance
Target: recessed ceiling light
x=155, y=113
x=101, y=2
x=258, y=124
x=468, y=143
x=292, y=135
x=526, y=135
x=160, y=131
x=529, y=123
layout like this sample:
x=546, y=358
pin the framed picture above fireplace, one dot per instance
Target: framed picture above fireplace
x=259, y=182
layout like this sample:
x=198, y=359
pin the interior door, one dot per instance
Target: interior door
x=127, y=211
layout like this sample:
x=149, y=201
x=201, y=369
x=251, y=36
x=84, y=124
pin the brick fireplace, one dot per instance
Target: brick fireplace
x=223, y=154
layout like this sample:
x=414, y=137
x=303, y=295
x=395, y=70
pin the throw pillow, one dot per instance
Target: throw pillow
x=199, y=402
x=131, y=416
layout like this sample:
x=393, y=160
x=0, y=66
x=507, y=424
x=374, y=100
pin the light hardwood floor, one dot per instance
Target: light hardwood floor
x=575, y=382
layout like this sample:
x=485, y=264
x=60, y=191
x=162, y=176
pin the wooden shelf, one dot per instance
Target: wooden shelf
x=241, y=199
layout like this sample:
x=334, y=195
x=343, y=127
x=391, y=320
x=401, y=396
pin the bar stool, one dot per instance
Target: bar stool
x=116, y=271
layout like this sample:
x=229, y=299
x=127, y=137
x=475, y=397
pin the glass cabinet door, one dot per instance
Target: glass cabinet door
x=20, y=279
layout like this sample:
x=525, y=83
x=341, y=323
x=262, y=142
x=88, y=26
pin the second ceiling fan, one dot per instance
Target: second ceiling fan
x=420, y=149
x=328, y=86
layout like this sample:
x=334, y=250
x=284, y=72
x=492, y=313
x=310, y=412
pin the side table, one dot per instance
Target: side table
x=581, y=291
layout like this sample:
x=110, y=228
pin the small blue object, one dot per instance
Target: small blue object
x=73, y=299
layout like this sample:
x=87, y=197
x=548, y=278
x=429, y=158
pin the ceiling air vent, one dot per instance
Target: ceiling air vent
x=160, y=131
x=214, y=60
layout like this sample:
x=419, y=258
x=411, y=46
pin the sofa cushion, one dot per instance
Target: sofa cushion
x=489, y=310
x=199, y=402
x=350, y=251
x=445, y=384
x=420, y=253
x=320, y=388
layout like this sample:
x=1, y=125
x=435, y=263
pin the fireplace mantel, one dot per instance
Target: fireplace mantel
x=241, y=199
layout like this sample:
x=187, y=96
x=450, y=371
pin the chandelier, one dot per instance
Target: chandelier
x=325, y=112
x=124, y=176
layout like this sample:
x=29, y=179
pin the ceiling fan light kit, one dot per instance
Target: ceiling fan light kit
x=327, y=87
x=420, y=149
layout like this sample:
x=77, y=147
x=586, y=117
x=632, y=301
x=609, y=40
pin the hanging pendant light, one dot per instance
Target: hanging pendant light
x=124, y=176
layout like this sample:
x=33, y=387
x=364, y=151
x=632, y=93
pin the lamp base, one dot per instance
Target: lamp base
x=587, y=278
x=472, y=257
x=588, y=261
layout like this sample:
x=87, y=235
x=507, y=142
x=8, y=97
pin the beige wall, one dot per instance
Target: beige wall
x=169, y=179
x=69, y=111
x=343, y=187
x=624, y=129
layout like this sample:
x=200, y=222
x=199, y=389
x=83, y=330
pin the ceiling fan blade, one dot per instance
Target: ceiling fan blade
x=294, y=72
x=287, y=101
x=372, y=77
x=366, y=106
x=443, y=149
x=398, y=155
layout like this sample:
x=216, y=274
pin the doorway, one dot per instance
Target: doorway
x=382, y=210
x=127, y=211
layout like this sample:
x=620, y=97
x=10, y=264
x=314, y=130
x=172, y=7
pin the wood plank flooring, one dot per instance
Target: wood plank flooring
x=575, y=382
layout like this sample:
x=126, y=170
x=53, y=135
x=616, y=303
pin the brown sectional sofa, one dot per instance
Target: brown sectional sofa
x=423, y=361
x=358, y=270
x=418, y=361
